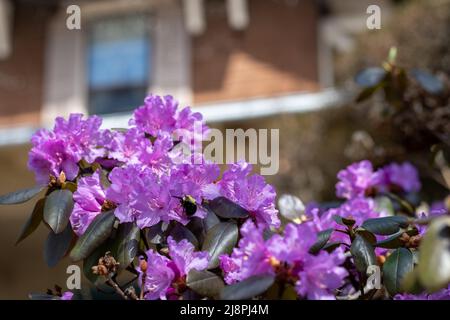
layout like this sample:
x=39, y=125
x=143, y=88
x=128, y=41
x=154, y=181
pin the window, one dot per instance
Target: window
x=119, y=55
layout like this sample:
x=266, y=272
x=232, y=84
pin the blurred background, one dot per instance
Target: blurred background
x=284, y=64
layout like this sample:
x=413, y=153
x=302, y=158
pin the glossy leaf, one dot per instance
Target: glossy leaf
x=370, y=77
x=33, y=221
x=180, y=232
x=291, y=207
x=343, y=221
x=20, y=196
x=220, y=239
x=200, y=226
x=322, y=239
x=363, y=253
x=434, y=257
x=98, y=231
x=386, y=225
x=57, y=245
x=226, y=208
x=395, y=268
x=57, y=209
x=126, y=244
x=247, y=288
x=205, y=283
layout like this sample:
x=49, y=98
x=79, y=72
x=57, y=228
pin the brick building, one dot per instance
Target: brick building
x=231, y=59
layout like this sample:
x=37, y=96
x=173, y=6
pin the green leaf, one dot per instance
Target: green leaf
x=331, y=246
x=322, y=239
x=57, y=245
x=386, y=225
x=291, y=207
x=367, y=92
x=369, y=236
x=42, y=296
x=247, y=288
x=226, y=208
x=220, y=239
x=126, y=244
x=20, y=196
x=395, y=268
x=98, y=232
x=363, y=253
x=393, y=241
x=370, y=77
x=57, y=209
x=434, y=255
x=343, y=221
x=180, y=232
x=33, y=221
x=204, y=283
x=200, y=226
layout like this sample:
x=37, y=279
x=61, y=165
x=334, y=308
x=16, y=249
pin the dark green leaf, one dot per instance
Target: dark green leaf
x=393, y=242
x=42, y=296
x=226, y=208
x=434, y=255
x=98, y=231
x=322, y=239
x=33, y=221
x=331, y=246
x=366, y=93
x=363, y=253
x=343, y=221
x=204, y=283
x=397, y=265
x=200, y=226
x=57, y=209
x=386, y=225
x=369, y=236
x=180, y=232
x=370, y=77
x=248, y=288
x=126, y=244
x=428, y=82
x=57, y=245
x=291, y=207
x=220, y=239
x=20, y=196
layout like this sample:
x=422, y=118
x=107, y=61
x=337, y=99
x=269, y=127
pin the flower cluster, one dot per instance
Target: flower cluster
x=163, y=277
x=148, y=173
x=314, y=276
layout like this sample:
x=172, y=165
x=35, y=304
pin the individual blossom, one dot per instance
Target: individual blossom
x=164, y=276
x=59, y=150
x=251, y=257
x=251, y=192
x=68, y=295
x=357, y=179
x=89, y=200
x=141, y=195
x=126, y=147
x=404, y=176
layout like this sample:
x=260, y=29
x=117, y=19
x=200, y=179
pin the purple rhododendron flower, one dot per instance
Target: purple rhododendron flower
x=403, y=175
x=356, y=179
x=89, y=199
x=61, y=149
x=314, y=276
x=251, y=192
x=141, y=195
x=251, y=257
x=67, y=295
x=443, y=294
x=162, y=272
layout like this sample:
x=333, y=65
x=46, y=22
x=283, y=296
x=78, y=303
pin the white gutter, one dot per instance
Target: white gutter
x=220, y=111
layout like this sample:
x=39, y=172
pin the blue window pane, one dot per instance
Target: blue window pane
x=118, y=63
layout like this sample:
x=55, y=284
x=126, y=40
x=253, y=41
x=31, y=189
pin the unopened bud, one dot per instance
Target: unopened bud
x=143, y=265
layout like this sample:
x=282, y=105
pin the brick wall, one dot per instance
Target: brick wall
x=21, y=74
x=276, y=54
